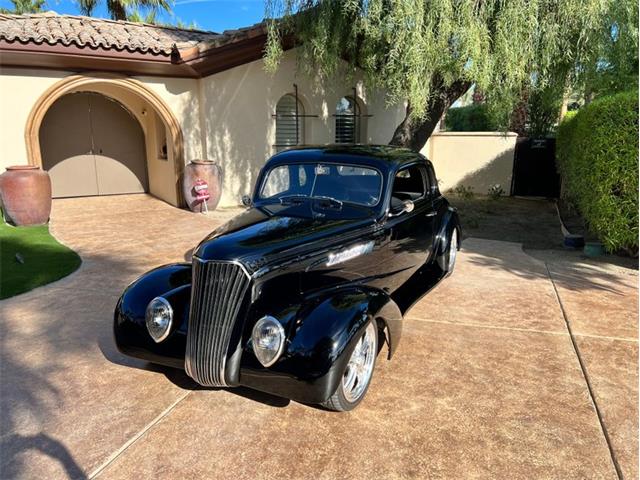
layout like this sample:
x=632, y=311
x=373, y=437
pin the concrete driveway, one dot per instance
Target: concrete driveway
x=512, y=368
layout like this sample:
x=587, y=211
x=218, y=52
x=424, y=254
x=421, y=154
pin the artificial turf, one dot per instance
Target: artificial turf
x=31, y=257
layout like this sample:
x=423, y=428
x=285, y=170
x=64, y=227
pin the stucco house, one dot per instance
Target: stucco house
x=112, y=107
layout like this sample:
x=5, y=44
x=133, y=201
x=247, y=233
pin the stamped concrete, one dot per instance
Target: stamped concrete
x=486, y=382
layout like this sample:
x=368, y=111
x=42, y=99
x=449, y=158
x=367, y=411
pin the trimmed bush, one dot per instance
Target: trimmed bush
x=472, y=118
x=597, y=157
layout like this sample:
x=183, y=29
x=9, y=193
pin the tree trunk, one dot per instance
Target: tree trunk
x=413, y=133
x=116, y=9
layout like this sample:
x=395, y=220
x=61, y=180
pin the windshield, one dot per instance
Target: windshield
x=335, y=182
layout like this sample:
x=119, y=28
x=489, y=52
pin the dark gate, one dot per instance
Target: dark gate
x=534, y=168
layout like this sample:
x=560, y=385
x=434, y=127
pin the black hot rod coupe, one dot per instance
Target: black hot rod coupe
x=297, y=295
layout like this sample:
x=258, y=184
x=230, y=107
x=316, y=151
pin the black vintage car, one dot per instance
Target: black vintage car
x=297, y=295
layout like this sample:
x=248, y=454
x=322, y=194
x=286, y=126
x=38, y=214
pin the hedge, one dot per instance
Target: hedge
x=597, y=157
x=472, y=118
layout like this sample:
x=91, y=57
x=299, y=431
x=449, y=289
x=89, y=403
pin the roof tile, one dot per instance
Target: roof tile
x=52, y=28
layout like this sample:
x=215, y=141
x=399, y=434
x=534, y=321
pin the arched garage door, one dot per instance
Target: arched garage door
x=92, y=145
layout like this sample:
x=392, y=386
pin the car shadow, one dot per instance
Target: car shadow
x=181, y=380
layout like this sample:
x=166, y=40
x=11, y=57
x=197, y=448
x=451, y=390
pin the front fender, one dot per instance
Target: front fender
x=450, y=221
x=321, y=335
x=172, y=282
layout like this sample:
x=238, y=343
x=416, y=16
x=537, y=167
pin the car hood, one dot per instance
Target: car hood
x=261, y=235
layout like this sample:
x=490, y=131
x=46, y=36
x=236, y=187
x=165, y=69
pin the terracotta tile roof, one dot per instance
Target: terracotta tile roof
x=92, y=32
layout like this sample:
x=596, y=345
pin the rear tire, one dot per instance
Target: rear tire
x=356, y=377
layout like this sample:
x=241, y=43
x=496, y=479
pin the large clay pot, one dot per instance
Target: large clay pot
x=25, y=192
x=207, y=171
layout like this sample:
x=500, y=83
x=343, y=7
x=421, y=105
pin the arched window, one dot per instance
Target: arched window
x=289, y=122
x=348, y=120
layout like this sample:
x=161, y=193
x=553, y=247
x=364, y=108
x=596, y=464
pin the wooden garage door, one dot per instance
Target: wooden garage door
x=91, y=145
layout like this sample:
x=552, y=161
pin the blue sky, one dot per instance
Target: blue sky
x=215, y=15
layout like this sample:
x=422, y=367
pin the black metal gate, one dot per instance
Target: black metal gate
x=534, y=168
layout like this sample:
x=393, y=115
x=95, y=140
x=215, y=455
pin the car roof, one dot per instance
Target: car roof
x=386, y=157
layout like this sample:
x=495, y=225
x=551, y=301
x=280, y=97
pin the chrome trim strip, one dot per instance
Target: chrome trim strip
x=218, y=291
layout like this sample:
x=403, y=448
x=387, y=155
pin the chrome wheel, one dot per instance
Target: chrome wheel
x=453, y=249
x=360, y=367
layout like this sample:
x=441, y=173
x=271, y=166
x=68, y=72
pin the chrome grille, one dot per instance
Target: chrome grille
x=217, y=292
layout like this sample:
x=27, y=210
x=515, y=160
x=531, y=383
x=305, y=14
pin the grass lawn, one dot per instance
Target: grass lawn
x=45, y=259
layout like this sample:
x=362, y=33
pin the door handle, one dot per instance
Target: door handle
x=431, y=214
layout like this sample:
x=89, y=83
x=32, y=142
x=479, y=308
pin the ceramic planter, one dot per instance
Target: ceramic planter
x=25, y=192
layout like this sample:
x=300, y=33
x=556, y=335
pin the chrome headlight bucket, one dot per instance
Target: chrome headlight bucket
x=268, y=340
x=159, y=318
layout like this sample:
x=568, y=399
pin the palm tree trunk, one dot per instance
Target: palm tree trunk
x=116, y=10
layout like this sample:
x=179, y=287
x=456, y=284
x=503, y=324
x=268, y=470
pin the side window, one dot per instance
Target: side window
x=409, y=184
x=433, y=181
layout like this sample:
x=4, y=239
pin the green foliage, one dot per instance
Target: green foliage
x=597, y=151
x=150, y=16
x=466, y=193
x=614, y=65
x=415, y=49
x=472, y=118
x=495, y=191
x=543, y=110
x=30, y=257
x=21, y=7
x=138, y=16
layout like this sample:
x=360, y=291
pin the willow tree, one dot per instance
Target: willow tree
x=428, y=53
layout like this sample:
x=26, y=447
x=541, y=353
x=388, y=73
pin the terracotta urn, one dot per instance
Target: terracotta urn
x=25, y=193
x=202, y=177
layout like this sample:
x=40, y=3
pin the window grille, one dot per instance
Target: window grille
x=349, y=120
x=289, y=119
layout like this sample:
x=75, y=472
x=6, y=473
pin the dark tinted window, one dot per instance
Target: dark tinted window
x=409, y=184
x=347, y=183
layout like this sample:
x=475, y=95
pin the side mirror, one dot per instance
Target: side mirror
x=407, y=207
x=246, y=200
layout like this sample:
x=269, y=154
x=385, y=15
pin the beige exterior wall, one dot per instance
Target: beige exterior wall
x=472, y=159
x=237, y=108
x=20, y=89
x=227, y=117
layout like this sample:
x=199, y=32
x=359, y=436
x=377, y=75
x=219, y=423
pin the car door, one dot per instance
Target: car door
x=410, y=232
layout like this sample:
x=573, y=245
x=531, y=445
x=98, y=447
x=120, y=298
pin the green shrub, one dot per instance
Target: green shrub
x=473, y=118
x=597, y=152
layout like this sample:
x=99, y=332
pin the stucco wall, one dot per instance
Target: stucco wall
x=237, y=108
x=181, y=95
x=19, y=91
x=227, y=117
x=476, y=160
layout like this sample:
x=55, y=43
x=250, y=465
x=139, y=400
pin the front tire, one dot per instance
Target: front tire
x=452, y=253
x=357, y=374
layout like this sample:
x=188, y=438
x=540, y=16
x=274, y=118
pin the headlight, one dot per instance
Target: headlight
x=158, y=317
x=268, y=340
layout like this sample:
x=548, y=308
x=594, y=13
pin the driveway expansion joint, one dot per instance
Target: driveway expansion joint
x=115, y=455
x=585, y=375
